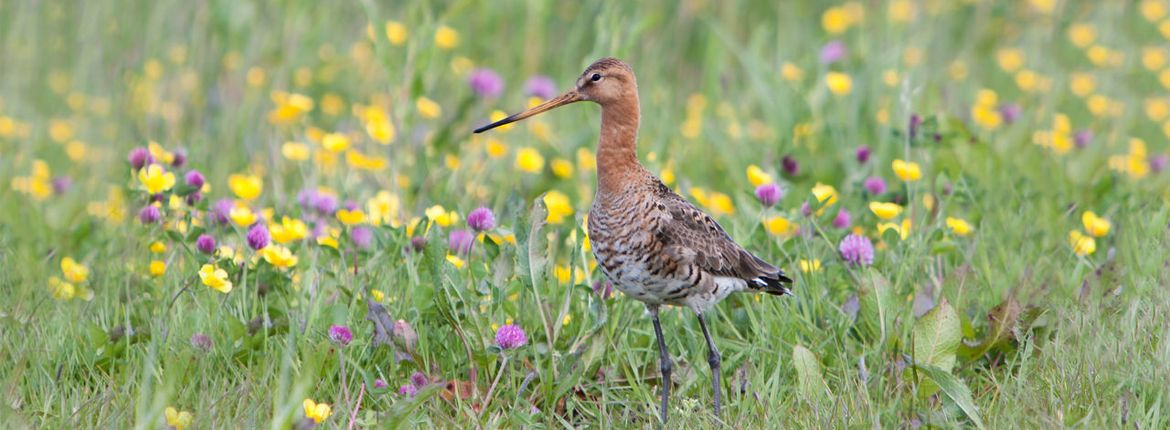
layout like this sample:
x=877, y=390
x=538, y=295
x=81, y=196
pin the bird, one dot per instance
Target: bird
x=649, y=242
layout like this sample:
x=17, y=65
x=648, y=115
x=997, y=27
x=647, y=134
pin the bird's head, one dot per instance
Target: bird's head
x=606, y=81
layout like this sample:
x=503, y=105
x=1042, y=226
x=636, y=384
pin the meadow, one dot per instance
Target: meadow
x=273, y=214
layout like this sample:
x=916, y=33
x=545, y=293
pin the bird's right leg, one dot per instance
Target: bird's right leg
x=663, y=363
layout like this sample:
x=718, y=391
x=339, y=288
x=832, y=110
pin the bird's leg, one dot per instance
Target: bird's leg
x=714, y=360
x=663, y=363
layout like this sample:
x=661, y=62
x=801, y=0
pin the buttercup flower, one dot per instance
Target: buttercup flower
x=179, y=420
x=279, y=256
x=246, y=187
x=885, y=211
x=1082, y=245
x=155, y=179
x=351, y=217
x=289, y=230
x=1095, y=225
x=907, y=171
x=856, y=250
x=317, y=411
x=510, y=336
x=215, y=278
x=959, y=226
x=74, y=272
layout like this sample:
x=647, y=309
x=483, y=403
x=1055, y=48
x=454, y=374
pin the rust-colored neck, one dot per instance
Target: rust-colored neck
x=617, y=155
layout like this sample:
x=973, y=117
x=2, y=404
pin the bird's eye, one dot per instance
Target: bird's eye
x=596, y=77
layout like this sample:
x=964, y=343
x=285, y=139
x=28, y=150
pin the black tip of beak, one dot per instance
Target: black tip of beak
x=494, y=125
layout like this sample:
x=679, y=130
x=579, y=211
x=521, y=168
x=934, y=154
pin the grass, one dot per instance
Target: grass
x=1076, y=340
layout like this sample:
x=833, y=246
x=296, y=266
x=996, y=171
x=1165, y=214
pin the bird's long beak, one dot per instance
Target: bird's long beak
x=571, y=96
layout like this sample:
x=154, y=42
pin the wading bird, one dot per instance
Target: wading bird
x=651, y=243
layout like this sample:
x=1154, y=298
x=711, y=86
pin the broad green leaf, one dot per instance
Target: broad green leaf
x=936, y=337
x=954, y=389
x=877, y=301
x=808, y=374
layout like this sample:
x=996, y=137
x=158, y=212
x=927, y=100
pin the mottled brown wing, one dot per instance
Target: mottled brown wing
x=693, y=237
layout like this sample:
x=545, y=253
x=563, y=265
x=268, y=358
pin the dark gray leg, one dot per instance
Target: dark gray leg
x=663, y=363
x=714, y=360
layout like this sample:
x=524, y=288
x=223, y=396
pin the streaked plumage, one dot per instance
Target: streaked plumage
x=654, y=245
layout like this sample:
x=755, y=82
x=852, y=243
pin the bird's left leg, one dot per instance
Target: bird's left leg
x=714, y=360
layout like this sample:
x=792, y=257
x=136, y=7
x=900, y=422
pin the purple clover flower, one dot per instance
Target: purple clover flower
x=221, y=210
x=1083, y=138
x=863, y=153
x=460, y=241
x=149, y=214
x=486, y=82
x=202, y=342
x=258, y=237
x=407, y=390
x=194, y=179
x=769, y=194
x=789, y=166
x=481, y=219
x=362, y=237
x=139, y=157
x=1010, y=112
x=842, y=220
x=856, y=250
x=340, y=334
x=205, y=243
x=180, y=158
x=833, y=52
x=511, y=336
x=875, y=185
x=541, y=86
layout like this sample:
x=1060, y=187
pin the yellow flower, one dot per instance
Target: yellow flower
x=558, y=206
x=74, y=272
x=178, y=420
x=446, y=37
x=327, y=240
x=156, y=180
x=826, y=195
x=455, y=261
x=295, y=151
x=885, y=211
x=495, y=149
x=836, y=20
x=383, y=209
x=378, y=125
x=562, y=168
x=289, y=106
x=1010, y=59
x=395, y=33
x=756, y=176
x=61, y=290
x=790, y=72
x=289, y=230
x=157, y=247
x=780, y=226
x=720, y=204
x=246, y=187
x=497, y=115
x=242, y=216
x=1082, y=245
x=378, y=295
x=529, y=160
x=959, y=226
x=902, y=11
x=428, y=108
x=1043, y=6
x=441, y=216
x=1153, y=10
x=1081, y=34
x=335, y=142
x=279, y=256
x=317, y=411
x=158, y=268
x=902, y=230
x=839, y=83
x=808, y=266
x=1095, y=225
x=361, y=161
x=349, y=217
x=907, y=170
x=215, y=278
x=1082, y=84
